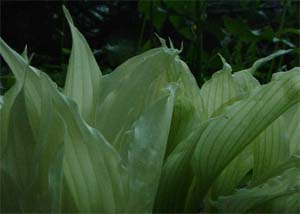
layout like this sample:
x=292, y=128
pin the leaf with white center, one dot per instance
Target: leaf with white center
x=83, y=76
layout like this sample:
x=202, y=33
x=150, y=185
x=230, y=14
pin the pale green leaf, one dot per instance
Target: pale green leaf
x=261, y=61
x=245, y=80
x=291, y=162
x=92, y=169
x=83, y=76
x=33, y=167
x=232, y=175
x=177, y=176
x=256, y=198
x=271, y=148
x=292, y=118
x=18, y=65
x=228, y=134
x=220, y=90
x=146, y=153
x=136, y=85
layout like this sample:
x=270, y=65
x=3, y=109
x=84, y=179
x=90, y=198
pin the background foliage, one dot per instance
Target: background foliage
x=242, y=31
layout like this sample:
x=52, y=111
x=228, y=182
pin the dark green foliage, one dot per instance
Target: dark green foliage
x=242, y=31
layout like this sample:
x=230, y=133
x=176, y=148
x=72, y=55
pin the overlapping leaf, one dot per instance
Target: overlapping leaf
x=144, y=136
x=83, y=76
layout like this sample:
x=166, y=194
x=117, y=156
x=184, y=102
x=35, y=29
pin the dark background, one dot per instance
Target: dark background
x=242, y=31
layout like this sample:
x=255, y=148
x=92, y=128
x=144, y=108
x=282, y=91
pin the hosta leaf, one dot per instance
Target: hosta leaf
x=121, y=103
x=245, y=80
x=92, y=168
x=25, y=54
x=135, y=85
x=220, y=90
x=292, y=118
x=236, y=170
x=189, y=109
x=291, y=162
x=16, y=161
x=228, y=134
x=83, y=76
x=232, y=175
x=177, y=176
x=18, y=65
x=270, y=148
x=146, y=153
x=288, y=203
x=1, y=101
x=5, y=110
x=184, y=120
x=273, y=190
x=148, y=73
x=32, y=168
x=261, y=61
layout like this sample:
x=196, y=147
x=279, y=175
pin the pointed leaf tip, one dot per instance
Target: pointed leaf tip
x=68, y=15
x=181, y=47
x=171, y=43
x=25, y=53
x=162, y=41
x=226, y=66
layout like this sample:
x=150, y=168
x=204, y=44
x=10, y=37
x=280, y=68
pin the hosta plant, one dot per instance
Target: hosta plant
x=145, y=138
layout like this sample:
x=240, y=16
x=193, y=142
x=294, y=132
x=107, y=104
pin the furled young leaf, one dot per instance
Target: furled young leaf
x=83, y=76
